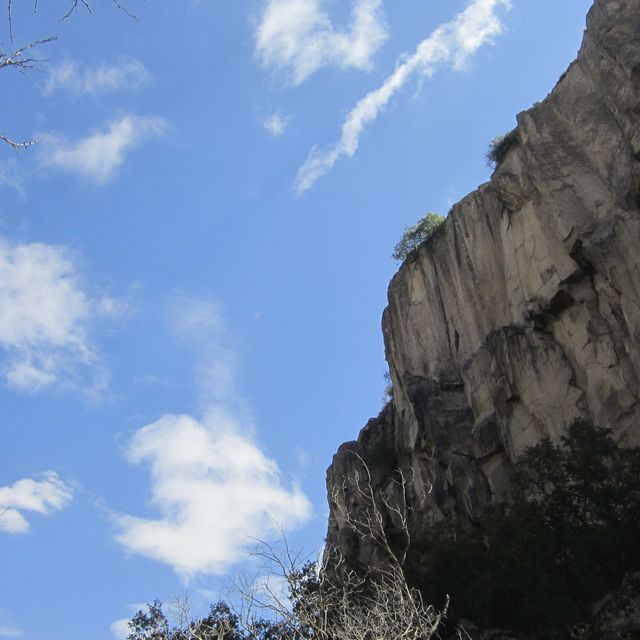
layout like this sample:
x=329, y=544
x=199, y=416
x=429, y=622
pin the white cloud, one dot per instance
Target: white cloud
x=215, y=491
x=45, y=318
x=275, y=124
x=98, y=156
x=451, y=43
x=297, y=37
x=120, y=629
x=126, y=73
x=40, y=496
x=213, y=486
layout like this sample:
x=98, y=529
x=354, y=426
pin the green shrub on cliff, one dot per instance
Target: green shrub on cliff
x=500, y=146
x=567, y=538
x=415, y=235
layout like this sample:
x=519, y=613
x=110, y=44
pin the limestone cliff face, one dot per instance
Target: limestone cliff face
x=522, y=312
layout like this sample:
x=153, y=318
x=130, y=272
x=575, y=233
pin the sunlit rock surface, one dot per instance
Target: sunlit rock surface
x=522, y=312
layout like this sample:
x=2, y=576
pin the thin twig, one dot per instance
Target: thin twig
x=18, y=146
x=18, y=60
x=125, y=10
x=74, y=5
x=10, y=13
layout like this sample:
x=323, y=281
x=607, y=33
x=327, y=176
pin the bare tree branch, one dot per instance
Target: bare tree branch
x=18, y=146
x=354, y=605
x=74, y=6
x=87, y=5
x=343, y=602
x=125, y=10
x=20, y=59
x=290, y=599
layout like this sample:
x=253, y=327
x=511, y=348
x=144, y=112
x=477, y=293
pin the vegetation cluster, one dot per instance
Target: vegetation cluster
x=534, y=565
x=415, y=235
x=500, y=146
x=538, y=563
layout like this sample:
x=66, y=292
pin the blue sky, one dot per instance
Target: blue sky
x=193, y=266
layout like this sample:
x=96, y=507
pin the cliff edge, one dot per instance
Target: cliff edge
x=522, y=312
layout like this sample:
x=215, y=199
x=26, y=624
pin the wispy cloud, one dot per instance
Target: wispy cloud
x=212, y=485
x=45, y=320
x=452, y=43
x=98, y=156
x=298, y=38
x=69, y=75
x=199, y=323
x=276, y=123
x=39, y=496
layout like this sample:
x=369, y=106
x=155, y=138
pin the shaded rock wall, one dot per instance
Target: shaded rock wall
x=522, y=312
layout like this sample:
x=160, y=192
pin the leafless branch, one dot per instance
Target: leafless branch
x=373, y=511
x=74, y=6
x=87, y=5
x=327, y=599
x=125, y=10
x=355, y=605
x=21, y=59
x=346, y=602
x=18, y=146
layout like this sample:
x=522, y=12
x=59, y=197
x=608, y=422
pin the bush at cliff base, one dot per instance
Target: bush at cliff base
x=538, y=564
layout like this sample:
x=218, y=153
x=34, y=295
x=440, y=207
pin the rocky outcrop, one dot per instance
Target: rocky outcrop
x=522, y=312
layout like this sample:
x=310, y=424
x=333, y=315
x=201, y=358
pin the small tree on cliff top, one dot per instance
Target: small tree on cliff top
x=415, y=235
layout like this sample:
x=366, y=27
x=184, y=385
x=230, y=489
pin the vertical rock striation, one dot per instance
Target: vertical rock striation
x=522, y=312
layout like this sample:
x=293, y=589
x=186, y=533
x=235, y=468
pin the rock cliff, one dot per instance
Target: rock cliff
x=522, y=312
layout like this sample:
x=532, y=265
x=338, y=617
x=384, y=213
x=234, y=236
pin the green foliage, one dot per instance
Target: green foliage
x=220, y=624
x=224, y=623
x=499, y=147
x=320, y=607
x=415, y=235
x=568, y=537
x=152, y=625
x=535, y=565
